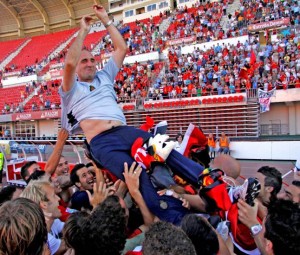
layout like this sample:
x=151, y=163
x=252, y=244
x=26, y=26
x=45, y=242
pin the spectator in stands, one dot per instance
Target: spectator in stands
x=178, y=139
x=23, y=229
x=47, y=104
x=224, y=142
x=111, y=118
x=166, y=239
x=43, y=194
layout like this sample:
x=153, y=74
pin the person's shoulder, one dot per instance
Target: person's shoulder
x=57, y=226
x=79, y=193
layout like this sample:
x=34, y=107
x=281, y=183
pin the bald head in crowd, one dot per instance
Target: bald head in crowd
x=228, y=164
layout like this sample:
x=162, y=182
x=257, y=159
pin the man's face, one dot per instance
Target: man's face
x=34, y=167
x=86, y=67
x=53, y=203
x=62, y=167
x=56, y=185
x=292, y=193
x=86, y=179
x=265, y=192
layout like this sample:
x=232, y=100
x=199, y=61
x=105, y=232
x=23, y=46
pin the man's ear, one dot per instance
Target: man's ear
x=269, y=247
x=269, y=189
x=43, y=205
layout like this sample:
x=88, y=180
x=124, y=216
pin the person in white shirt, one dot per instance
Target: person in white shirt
x=42, y=193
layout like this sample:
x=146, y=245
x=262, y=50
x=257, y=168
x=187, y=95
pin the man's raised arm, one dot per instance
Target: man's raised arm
x=120, y=47
x=73, y=54
x=54, y=158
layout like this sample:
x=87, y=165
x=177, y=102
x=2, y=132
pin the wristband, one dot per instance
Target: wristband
x=255, y=229
x=108, y=24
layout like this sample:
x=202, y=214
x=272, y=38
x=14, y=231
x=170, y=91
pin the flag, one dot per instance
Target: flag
x=264, y=98
x=193, y=137
x=243, y=73
x=161, y=128
x=252, y=57
x=148, y=125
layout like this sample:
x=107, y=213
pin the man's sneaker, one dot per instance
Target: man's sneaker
x=248, y=191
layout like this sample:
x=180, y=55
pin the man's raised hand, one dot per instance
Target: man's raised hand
x=101, y=13
x=63, y=135
x=85, y=23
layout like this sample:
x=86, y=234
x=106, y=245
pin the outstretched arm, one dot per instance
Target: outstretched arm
x=132, y=176
x=117, y=39
x=54, y=158
x=73, y=54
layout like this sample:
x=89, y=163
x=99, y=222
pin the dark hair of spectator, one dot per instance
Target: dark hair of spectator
x=163, y=238
x=89, y=165
x=24, y=168
x=7, y=193
x=201, y=233
x=74, y=232
x=273, y=179
x=282, y=227
x=107, y=228
x=73, y=176
x=178, y=135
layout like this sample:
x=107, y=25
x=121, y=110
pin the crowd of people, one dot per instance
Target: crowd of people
x=87, y=210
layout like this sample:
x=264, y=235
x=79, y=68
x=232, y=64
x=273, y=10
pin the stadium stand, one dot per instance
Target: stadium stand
x=7, y=47
x=41, y=46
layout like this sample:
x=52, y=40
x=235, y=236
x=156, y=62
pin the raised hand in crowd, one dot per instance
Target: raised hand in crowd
x=132, y=180
x=132, y=177
x=100, y=190
x=247, y=213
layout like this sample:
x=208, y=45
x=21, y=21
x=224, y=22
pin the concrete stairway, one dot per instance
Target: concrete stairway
x=236, y=5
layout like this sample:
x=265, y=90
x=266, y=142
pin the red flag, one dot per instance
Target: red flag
x=193, y=136
x=252, y=57
x=148, y=125
x=244, y=73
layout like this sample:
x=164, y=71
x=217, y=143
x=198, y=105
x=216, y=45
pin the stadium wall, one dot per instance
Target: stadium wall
x=268, y=150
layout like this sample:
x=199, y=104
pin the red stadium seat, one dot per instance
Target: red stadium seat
x=241, y=98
